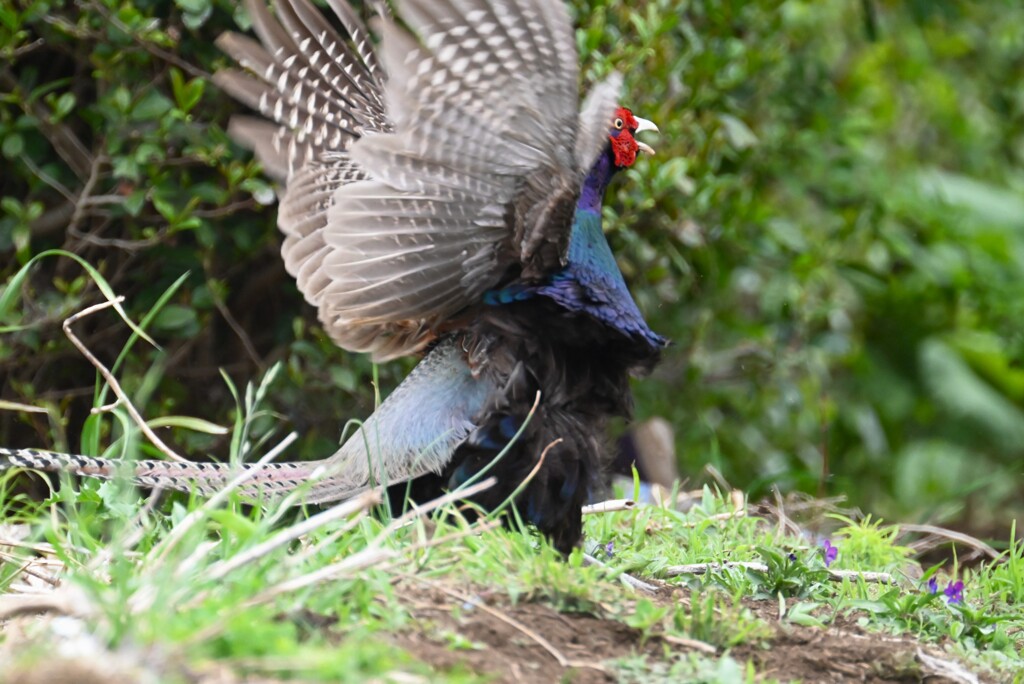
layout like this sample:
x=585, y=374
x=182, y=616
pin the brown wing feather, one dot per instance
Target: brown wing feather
x=409, y=197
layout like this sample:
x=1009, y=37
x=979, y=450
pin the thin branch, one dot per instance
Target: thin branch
x=40, y=548
x=952, y=535
x=52, y=602
x=609, y=506
x=164, y=55
x=239, y=331
x=26, y=569
x=46, y=178
x=625, y=577
x=27, y=48
x=696, y=645
x=119, y=243
x=82, y=201
x=833, y=575
x=717, y=517
x=53, y=220
x=739, y=505
x=226, y=210
x=67, y=145
x=112, y=381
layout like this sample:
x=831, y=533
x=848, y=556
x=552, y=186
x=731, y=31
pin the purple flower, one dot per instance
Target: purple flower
x=831, y=552
x=933, y=586
x=792, y=558
x=954, y=592
x=609, y=549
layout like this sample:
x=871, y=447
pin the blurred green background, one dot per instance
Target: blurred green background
x=832, y=232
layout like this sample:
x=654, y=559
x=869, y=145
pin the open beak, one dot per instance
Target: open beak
x=644, y=125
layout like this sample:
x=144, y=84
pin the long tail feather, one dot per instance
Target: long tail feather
x=203, y=478
x=413, y=432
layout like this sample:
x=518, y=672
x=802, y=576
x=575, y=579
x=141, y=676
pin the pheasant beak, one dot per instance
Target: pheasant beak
x=644, y=125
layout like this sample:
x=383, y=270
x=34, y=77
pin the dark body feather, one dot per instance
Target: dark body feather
x=581, y=368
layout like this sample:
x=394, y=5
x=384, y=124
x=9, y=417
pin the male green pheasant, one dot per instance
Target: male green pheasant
x=443, y=196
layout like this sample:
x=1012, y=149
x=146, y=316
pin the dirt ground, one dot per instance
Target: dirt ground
x=453, y=631
x=504, y=643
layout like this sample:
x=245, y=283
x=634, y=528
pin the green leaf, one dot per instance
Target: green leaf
x=737, y=133
x=238, y=525
x=990, y=203
x=12, y=292
x=186, y=94
x=151, y=107
x=13, y=145
x=801, y=614
x=954, y=386
x=134, y=202
x=188, y=423
x=92, y=428
x=63, y=106
x=175, y=317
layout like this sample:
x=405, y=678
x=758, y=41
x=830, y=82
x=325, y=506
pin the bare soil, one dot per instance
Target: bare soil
x=503, y=644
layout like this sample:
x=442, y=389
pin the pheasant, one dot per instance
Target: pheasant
x=443, y=195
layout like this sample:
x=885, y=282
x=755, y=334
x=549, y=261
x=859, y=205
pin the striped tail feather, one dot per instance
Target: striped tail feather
x=270, y=480
x=415, y=431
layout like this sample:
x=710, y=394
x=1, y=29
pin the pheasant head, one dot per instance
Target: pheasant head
x=622, y=134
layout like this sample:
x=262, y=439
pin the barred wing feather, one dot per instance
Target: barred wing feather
x=409, y=196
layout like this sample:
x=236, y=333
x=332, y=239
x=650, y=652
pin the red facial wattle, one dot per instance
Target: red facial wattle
x=622, y=136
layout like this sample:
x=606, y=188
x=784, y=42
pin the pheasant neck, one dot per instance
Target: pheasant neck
x=596, y=183
x=587, y=243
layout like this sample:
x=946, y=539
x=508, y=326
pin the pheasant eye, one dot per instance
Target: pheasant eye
x=618, y=123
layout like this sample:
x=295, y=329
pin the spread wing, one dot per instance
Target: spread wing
x=409, y=195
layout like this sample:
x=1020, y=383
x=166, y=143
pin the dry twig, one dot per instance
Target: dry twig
x=609, y=506
x=834, y=575
x=111, y=380
x=694, y=644
x=625, y=577
x=952, y=535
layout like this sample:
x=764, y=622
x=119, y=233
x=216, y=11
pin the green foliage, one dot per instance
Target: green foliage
x=832, y=234
x=115, y=151
x=646, y=616
x=789, y=575
x=189, y=583
x=868, y=542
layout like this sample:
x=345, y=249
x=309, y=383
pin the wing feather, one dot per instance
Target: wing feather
x=422, y=169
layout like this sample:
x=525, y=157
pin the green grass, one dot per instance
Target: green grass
x=176, y=588
x=181, y=585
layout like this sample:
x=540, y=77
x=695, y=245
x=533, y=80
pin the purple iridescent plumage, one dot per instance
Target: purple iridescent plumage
x=591, y=282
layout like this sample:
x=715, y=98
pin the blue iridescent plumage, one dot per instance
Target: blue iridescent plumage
x=591, y=282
